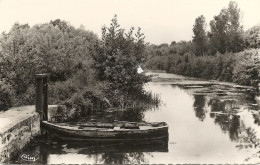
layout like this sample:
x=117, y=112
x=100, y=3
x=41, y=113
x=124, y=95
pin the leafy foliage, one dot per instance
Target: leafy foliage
x=222, y=54
x=200, y=38
x=56, y=48
x=6, y=94
x=116, y=59
x=242, y=68
x=247, y=68
x=252, y=37
x=69, y=55
x=226, y=31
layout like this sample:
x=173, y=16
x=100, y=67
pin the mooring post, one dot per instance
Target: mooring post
x=41, y=104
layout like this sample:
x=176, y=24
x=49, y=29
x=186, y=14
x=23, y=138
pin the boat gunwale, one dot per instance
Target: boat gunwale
x=102, y=129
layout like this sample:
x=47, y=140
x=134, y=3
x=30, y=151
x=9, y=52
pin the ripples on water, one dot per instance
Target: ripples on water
x=208, y=123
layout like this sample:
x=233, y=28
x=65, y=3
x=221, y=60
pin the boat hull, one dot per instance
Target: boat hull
x=89, y=134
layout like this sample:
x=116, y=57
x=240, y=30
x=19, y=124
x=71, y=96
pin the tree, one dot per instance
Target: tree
x=252, y=37
x=247, y=68
x=200, y=37
x=25, y=51
x=117, y=57
x=234, y=29
x=225, y=30
x=218, y=32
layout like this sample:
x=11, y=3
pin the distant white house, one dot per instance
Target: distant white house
x=139, y=70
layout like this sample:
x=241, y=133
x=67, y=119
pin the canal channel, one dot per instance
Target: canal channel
x=209, y=122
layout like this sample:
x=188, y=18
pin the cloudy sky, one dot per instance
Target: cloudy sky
x=162, y=21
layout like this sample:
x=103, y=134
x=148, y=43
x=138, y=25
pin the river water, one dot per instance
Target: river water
x=209, y=122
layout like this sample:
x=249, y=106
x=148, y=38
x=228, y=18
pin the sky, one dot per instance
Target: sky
x=162, y=21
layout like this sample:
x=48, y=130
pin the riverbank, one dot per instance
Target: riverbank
x=174, y=79
x=18, y=126
x=223, y=91
x=242, y=68
x=209, y=124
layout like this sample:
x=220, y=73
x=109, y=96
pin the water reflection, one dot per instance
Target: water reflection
x=118, y=158
x=207, y=124
x=199, y=106
x=53, y=151
x=234, y=128
x=225, y=113
x=234, y=117
x=224, y=106
x=256, y=116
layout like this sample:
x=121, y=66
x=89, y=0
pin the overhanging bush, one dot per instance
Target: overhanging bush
x=6, y=95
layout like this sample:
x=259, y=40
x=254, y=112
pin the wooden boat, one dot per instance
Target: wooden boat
x=116, y=131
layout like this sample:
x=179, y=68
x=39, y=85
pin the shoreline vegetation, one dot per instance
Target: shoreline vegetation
x=185, y=80
x=90, y=74
x=87, y=74
x=226, y=52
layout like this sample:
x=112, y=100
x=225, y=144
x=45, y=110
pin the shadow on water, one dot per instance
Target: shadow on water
x=46, y=146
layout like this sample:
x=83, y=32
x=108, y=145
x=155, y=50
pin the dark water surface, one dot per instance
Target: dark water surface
x=208, y=123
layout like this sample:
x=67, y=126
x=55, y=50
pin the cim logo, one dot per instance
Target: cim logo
x=28, y=158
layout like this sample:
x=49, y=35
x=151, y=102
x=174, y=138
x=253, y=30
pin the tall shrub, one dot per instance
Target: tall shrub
x=116, y=59
x=6, y=95
x=247, y=67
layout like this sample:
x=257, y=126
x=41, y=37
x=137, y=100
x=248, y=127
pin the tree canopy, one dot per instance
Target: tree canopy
x=225, y=30
x=200, y=36
x=25, y=51
x=117, y=57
